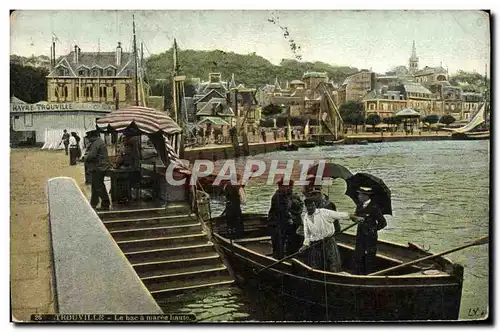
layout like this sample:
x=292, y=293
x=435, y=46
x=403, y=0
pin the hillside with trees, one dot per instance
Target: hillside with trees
x=251, y=70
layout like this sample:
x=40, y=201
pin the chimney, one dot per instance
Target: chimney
x=75, y=55
x=119, y=54
x=78, y=54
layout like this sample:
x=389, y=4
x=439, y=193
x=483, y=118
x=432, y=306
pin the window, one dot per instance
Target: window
x=91, y=92
x=110, y=72
x=114, y=92
x=28, y=120
x=61, y=72
x=65, y=91
x=95, y=72
x=56, y=92
x=82, y=72
x=102, y=92
x=77, y=92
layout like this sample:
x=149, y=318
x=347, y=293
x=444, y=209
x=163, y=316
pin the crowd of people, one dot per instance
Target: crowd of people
x=305, y=224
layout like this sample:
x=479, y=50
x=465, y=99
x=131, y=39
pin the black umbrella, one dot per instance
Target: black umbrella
x=381, y=193
x=331, y=171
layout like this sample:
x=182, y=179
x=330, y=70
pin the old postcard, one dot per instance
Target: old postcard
x=173, y=166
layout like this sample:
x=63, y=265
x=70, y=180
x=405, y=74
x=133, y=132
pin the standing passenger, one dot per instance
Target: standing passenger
x=280, y=217
x=366, y=236
x=235, y=196
x=319, y=227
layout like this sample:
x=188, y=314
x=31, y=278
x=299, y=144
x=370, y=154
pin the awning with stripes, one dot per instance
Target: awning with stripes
x=160, y=128
x=146, y=120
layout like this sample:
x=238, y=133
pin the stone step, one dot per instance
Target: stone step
x=123, y=224
x=169, y=253
x=181, y=286
x=178, y=208
x=162, y=242
x=164, y=266
x=156, y=232
x=194, y=275
x=132, y=213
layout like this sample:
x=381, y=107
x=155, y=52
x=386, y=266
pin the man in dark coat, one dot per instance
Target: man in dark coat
x=234, y=218
x=97, y=162
x=281, y=219
x=367, y=236
x=65, y=140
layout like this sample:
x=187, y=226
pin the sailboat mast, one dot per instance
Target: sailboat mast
x=135, y=60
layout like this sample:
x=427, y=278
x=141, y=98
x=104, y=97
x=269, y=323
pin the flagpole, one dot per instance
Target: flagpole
x=135, y=60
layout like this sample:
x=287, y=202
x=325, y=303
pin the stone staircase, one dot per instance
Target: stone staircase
x=167, y=248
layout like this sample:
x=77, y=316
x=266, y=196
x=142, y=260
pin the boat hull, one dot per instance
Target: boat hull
x=471, y=136
x=346, y=301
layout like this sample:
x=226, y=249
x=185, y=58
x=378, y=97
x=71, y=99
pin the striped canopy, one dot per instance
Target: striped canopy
x=147, y=120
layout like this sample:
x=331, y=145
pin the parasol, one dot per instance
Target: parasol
x=331, y=171
x=381, y=193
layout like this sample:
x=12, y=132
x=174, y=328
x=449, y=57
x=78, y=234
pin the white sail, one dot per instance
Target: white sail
x=306, y=130
x=476, y=121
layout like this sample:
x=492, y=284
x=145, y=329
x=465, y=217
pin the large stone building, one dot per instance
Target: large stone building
x=356, y=87
x=97, y=77
x=384, y=102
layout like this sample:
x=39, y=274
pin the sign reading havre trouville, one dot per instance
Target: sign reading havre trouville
x=61, y=107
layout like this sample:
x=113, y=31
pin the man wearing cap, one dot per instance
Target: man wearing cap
x=313, y=190
x=281, y=217
x=366, y=236
x=97, y=162
x=319, y=227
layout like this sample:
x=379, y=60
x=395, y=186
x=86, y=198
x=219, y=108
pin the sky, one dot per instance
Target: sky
x=379, y=40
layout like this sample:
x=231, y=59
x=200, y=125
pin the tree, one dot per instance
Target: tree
x=430, y=119
x=447, y=119
x=271, y=110
x=373, y=120
x=28, y=83
x=353, y=113
x=392, y=120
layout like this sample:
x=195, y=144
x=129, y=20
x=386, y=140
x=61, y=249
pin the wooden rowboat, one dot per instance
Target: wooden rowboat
x=430, y=290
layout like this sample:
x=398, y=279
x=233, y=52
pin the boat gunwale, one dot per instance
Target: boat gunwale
x=415, y=248
x=341, y=275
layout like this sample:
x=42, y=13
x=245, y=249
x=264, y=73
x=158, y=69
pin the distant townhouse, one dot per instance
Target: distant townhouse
x=94, y=77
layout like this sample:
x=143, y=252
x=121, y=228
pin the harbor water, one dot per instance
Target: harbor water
x=440, y=199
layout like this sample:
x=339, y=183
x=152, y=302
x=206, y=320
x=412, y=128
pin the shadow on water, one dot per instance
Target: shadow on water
x=238, y=303
x=440, y=201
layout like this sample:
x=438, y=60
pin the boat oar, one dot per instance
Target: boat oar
x=298, y=252
x=478, y=242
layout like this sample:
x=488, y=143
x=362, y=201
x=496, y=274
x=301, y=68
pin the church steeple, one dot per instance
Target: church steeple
x=413, y=59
